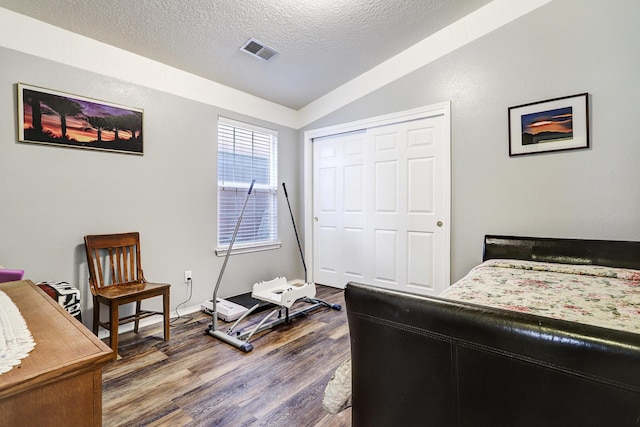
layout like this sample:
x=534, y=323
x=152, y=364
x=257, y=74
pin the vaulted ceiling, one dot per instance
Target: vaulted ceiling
x=321, y=44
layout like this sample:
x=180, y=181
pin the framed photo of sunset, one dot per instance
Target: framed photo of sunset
x=56, y=118
x=553, y=125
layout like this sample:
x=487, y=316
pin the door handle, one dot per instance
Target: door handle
x=439, y=223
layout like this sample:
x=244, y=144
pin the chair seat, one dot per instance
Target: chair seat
x=132, y=290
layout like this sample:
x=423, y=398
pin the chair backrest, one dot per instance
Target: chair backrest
x=113, y=259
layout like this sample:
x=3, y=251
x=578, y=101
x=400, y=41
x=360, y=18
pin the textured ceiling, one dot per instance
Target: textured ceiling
x=322, y=43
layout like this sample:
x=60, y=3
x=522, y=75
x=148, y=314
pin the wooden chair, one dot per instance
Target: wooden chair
x=116, y=278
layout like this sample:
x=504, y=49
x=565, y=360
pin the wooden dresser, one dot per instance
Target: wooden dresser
x=60, y=382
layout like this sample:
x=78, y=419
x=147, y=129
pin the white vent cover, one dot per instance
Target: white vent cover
x=255, y=48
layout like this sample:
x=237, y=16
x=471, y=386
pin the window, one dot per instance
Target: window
x=247, y=152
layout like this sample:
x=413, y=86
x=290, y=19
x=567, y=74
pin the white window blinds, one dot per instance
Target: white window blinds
x=247, y=152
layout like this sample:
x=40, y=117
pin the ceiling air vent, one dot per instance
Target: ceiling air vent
x=255, y=48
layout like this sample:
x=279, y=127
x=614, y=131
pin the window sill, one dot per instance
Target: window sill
x=248, y=249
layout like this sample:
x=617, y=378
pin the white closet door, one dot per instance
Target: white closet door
x=381, y=207
x=339, y=197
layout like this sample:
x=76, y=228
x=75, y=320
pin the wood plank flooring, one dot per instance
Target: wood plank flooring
x=198, y=380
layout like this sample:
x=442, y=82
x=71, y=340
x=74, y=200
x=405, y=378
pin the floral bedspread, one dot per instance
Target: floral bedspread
x=600, y=296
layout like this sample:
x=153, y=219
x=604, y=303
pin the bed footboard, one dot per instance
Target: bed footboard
x=427, y=361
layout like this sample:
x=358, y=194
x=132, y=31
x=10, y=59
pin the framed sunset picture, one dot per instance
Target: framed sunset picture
x=554, y=125
x=56, y=118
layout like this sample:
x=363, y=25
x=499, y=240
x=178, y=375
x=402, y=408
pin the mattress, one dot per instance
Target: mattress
x=600, y=296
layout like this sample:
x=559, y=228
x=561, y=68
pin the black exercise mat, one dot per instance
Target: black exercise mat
x=246, y=300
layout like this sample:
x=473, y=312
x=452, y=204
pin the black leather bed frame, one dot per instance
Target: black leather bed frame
x=426, y=361
x=610, y=253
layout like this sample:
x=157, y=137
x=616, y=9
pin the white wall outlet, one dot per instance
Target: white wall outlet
x=187, y=276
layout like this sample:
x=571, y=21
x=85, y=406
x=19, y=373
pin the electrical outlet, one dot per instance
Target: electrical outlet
x=187, y=276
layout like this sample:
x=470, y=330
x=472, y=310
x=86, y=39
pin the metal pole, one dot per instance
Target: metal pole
x=304, y=265
x=214, y=321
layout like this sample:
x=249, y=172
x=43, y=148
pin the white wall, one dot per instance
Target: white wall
x=51, y=196
x=563, y=48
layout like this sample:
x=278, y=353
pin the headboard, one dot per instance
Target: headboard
x=609, y=253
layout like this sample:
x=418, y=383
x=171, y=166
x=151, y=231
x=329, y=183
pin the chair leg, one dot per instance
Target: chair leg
x=137, y=321
x=96, y=315
x=165, y=303
x=113, y=328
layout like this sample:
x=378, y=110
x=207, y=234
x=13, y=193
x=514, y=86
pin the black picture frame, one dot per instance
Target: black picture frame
x=558, y=124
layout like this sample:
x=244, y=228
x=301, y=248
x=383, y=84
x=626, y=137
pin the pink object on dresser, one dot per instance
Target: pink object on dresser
x=7, y=275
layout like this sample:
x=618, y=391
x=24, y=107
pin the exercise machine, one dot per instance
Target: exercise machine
x=279, y=292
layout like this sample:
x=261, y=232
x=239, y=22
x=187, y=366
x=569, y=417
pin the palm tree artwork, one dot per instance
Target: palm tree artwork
x=55, y=118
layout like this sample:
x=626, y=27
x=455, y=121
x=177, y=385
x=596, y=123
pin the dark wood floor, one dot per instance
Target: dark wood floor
x=197, y=380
